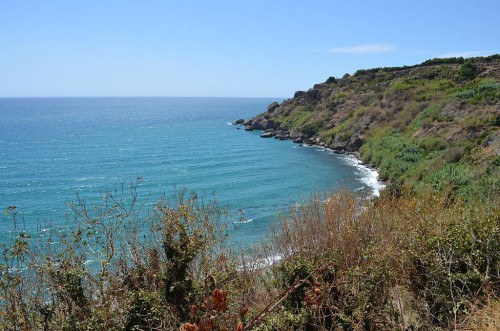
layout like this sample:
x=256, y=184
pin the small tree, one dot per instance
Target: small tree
x=331, y=80
x=467, y=71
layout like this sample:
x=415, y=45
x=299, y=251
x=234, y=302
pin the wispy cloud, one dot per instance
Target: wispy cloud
x=363, y=49
x=468, y=54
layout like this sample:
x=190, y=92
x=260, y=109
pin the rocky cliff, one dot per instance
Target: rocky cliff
x=426, y=116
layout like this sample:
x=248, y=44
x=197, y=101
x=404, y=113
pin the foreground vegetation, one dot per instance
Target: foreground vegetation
x=424, y=255
x=402, y=262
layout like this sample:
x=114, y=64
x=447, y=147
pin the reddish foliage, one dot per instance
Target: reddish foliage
x=206, y=325
x=313, y=298
x=244, y=311
x=193, y=311
x=219, y=300
x=189, y=327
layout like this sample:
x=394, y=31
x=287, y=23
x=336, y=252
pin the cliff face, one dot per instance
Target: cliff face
x=443, y=111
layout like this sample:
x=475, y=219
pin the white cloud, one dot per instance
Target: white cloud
x=363, y=49
x=468, y=54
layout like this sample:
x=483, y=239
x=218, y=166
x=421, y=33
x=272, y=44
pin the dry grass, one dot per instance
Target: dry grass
x=347, y=263
x=435, y=254
x=486, y=318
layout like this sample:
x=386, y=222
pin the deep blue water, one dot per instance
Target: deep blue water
x=54, y=148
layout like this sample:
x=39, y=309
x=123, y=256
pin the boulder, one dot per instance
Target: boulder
x=271, y=125
x=338, y=147
x=267, y=135
x=248, y=128
x=296, y=134
x=239, y=121
x=303, y=97
x=272, y=107
x=263, y=124
x=310, y=141
x=355, y=143
x=299, y=94
x=313, y=95
x=282, y=136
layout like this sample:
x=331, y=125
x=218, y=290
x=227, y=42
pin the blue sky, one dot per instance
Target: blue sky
x=225, y=48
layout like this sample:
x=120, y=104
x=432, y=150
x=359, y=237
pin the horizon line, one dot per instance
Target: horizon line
x=138, y=96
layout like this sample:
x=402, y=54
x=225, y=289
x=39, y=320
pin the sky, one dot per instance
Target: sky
x=225, y=48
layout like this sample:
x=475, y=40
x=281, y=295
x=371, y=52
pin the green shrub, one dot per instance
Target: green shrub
x=453, y=154
x=450, y=60
x=453, y=175
x=297, y=118
x=468, y=71
x=432, y=144
x=400, y=87
x=331, y=80
x=311, y=128
x=288, y=273
x=114, y=268
x=144, y=312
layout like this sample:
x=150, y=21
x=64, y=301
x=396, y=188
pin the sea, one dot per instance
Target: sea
x=56, y=150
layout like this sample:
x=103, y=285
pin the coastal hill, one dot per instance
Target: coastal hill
x=436, y=122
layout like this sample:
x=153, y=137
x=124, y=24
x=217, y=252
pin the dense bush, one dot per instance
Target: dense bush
x=311, y=128
x=115, y=267
x=467, y=71
x=412, y=260
x=331, y=80
x=394, y=264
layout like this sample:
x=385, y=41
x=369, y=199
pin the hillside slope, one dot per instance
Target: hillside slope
x=430, y=124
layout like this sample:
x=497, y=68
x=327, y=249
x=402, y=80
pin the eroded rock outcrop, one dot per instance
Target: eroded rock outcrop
x=343, y=113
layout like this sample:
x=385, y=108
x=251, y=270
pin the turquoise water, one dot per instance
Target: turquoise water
x=52, y=149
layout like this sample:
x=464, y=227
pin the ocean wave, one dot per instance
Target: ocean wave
x=369, y=176
x=260, y=263
x=83, y=179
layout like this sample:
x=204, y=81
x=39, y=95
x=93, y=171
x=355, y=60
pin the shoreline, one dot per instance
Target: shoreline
x=371, y=178
x=370, y=175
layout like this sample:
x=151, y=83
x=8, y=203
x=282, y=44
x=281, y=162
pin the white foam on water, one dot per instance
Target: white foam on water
x=246, y=220
x=369, y=176
x=261, y=263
